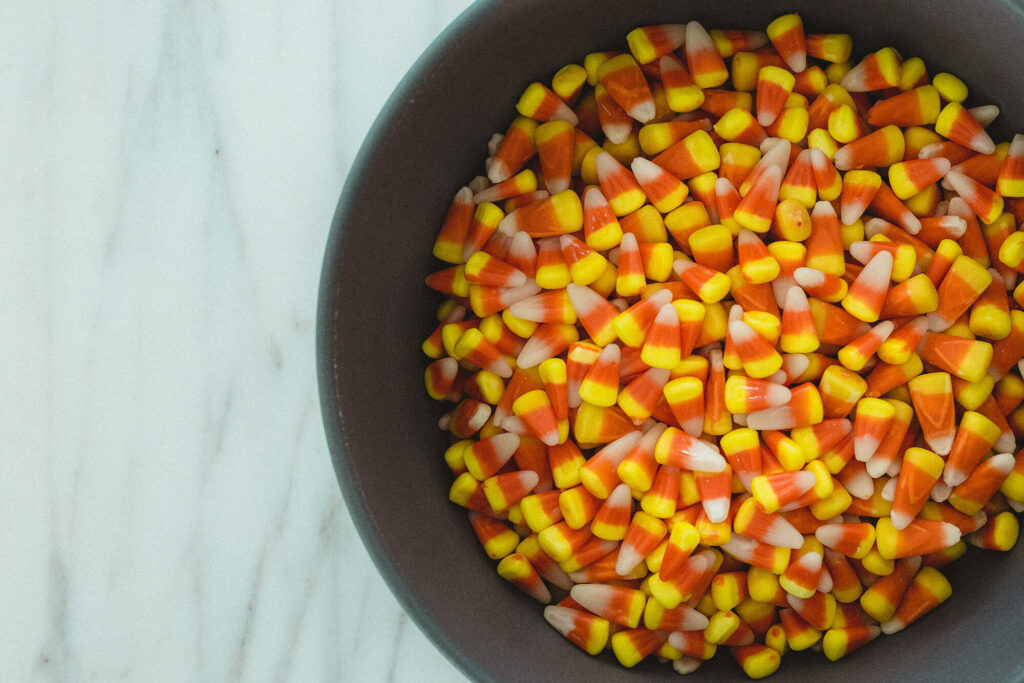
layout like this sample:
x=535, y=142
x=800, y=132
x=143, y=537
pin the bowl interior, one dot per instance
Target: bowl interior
x=374, y=311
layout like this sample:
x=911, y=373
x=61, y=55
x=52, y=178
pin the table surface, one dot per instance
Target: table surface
x=168, y=507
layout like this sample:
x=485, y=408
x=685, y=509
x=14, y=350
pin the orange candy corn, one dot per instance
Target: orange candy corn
x=647, y=43
x=682, y=94
x=643, y=535
x=967, y=359
x=799, y=182
x=859, y=188
x=826, y=177
x=799, y=334
x=709, y=284
x=759, y=358
x=928, y=590
x=540, y=104
x=749, y=394
x=618, y=185
x=504, y=490
x=986, y=204
x=821, y=285
x=518, y=570
x=772, y=529
x=515, y=149
x=685, y=398
x=884, y=596
x=617, y=604
x=956, y=123
x=679, y=449
x=773, y=491
x=932, y=395
x=883, y=147
x=665, y=191
x=973, y=493
x=756, y=209
x=773, y=88
x=702, y=58
x=852, y=539
x=919, y=537
x=804, y=409
x=757, y=264
x=870, y=425
x=975, y=437
x=917, y=107
x=787, y=36
x=769, y=557
x=585, y=630
x=908, y=178
x=1010, y=182
x=626, y=84
x=855, y=355
x=877, y=71
x=455, y=228
x=691, y=156
x=962, y=285
x=920, y=470
x=867, y=292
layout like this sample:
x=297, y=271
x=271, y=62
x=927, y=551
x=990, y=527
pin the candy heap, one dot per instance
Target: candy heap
x=731, y=341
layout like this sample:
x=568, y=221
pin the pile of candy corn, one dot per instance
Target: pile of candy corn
x=733, y=334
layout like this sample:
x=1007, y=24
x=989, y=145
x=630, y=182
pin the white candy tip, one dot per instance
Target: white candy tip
x=941, y=444
x=717, y=510
x=900, y=520
x=778, y=394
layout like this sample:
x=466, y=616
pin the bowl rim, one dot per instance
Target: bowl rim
x=330, y=409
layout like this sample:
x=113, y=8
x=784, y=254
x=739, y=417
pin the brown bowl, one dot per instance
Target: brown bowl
x=374, y=312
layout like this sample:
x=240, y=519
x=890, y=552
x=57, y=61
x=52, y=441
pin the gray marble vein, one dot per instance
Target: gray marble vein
x=169, y=172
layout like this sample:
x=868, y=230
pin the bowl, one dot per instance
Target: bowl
x=374, y=312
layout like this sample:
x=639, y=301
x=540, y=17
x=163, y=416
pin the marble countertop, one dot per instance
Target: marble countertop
x=170, y=170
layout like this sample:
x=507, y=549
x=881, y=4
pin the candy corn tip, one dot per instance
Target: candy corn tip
x=979, y=518
x=876, y=468
x=941, y=444
x=686, y=664
x=950, y=534
x=828, y=535
x=717, y=510
x=849, y=214
x=982, y=144
x=811, y=561
x=787, y=538
x=900, y=520
x=797, y=62
x=628, y=559
x=1002, y=463
x=864, y=447
x=937, y=322
x=643, y=112
x=808, y=277
x=551, y=438
x=911, y=223
x=892, y=626
x=497, y=172
x=1005, y=442
x=795, y=364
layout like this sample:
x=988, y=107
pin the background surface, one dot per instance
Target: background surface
x=167, y=506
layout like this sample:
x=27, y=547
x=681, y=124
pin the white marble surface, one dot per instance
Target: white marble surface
x=169, y=170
